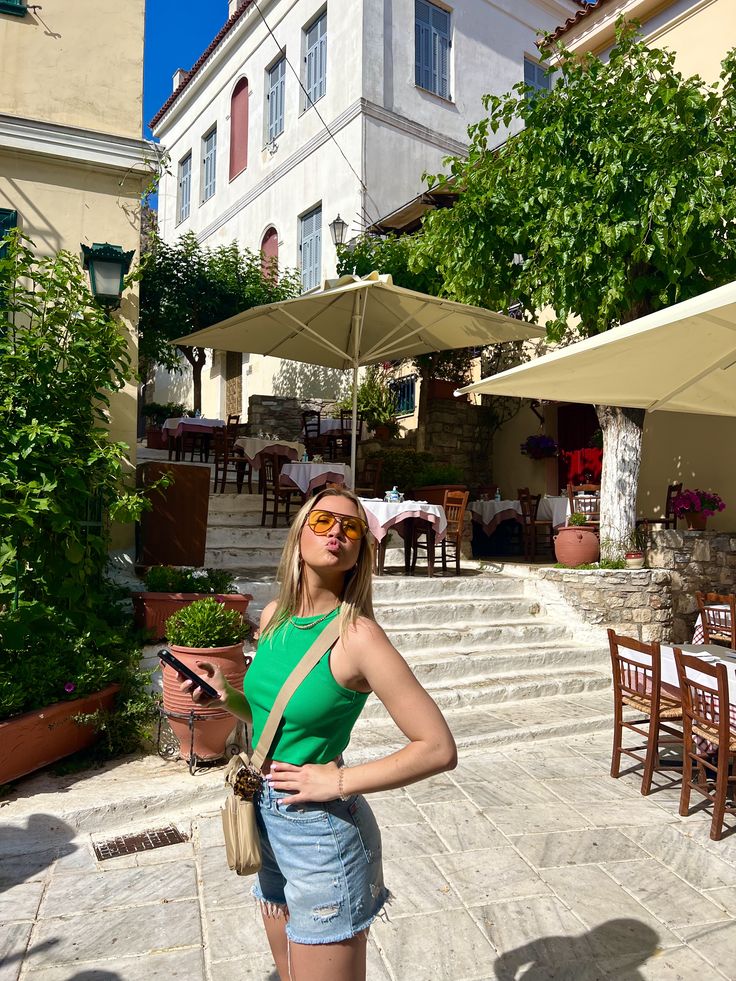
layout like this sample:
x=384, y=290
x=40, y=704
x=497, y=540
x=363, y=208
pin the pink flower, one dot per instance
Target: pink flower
x=698, y=502
x=69, y=687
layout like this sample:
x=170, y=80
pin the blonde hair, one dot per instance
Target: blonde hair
x=357, y=592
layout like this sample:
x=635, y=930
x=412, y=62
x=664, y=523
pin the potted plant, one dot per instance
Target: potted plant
x=576, y=544
x=156, y=414
x=377, y=404
x=205, y=630
x=696, y=506
x=445, y=371
x=634, y=556
x=168, y=589
x=539, y=446
x=433, y=479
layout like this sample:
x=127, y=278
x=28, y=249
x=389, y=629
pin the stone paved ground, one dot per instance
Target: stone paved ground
x=524, y=863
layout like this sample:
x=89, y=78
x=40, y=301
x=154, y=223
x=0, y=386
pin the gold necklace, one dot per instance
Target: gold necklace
x=308, y=626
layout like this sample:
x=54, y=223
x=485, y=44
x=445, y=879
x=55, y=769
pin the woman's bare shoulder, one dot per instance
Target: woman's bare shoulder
x=364, y=631
x=268, y=611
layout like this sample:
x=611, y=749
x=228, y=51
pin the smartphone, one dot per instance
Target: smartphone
x=168, y=658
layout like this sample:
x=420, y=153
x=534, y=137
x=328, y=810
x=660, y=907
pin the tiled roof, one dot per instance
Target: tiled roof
x=586, y=9
x=220, y=36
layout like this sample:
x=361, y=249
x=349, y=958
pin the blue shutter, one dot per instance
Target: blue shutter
x=276, y=85
x=432, y=48
x=423, y=45
x=534, y=75
x=316, y=61
x=185, y=188
x=8, y=220
x=16, y=7
x=209, y=165
x=311, y=248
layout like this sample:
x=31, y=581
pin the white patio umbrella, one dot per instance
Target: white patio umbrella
x=680, y=359
x=358, y=321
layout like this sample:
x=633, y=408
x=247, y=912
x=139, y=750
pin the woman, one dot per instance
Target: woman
x=321, y=883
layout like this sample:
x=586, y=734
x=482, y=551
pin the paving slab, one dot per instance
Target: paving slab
x=183, y=965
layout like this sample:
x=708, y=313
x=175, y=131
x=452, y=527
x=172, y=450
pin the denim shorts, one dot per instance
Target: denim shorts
x=321, y=866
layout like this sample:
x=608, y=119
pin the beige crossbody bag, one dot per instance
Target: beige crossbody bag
x=242, y=841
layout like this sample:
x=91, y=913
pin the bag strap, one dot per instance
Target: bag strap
x=323, y=643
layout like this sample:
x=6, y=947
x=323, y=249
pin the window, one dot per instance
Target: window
x=310, y=248
x=315, y=60
x=404, y=391
x=432, y=48
x=8, y=220
x=534, y=75
x=16, y=7
x=184, y=195
x=209, y=163
x=275, y=99
x=239, y=129
x=270, y=253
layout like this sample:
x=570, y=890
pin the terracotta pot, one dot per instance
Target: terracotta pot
x=152, y=610
x=156, y=439
x=382, y=434
x=576, y=546
x=435, y=493
x=634, y=560
x=211, y=725
x=40, y=737
x=441, y=389
x=696, y=521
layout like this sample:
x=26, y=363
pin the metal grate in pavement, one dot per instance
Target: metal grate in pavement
x=144, y=841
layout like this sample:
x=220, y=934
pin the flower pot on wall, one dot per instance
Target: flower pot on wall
x=576, y=545
x=435, y=493
x=634, y=560
x=696, y=521
x=211, y=725
x=439, y=389
x=156, y=438
x=152, y=610
x=42, y=736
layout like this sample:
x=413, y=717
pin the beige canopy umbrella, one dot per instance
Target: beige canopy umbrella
x=680, y=359
x=358, y=321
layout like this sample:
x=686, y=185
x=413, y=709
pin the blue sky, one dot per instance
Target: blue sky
x=177, y=32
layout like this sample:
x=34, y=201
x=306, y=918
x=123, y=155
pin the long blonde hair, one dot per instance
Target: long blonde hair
x=357, y=592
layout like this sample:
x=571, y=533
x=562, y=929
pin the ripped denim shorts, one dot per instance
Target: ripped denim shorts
x=321, y=866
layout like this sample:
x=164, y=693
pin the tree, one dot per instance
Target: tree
x=616, y=199
x=185, y=287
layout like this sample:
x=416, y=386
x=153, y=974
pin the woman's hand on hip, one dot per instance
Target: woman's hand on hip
x=311, y=783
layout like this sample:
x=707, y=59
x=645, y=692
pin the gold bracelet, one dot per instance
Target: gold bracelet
x=340, y=774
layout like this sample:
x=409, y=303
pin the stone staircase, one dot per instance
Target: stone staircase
x=500, y=668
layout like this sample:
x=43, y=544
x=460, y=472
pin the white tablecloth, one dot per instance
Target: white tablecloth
x=489, y=513
x=698, y=637
x=308, y=476
x=708, y=652
x=177, y=425
x=382, y=516
x=253, y=446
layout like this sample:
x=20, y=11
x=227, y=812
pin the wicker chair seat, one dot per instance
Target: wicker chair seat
x=667, y=708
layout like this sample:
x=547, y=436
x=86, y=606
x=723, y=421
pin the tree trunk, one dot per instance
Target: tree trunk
x=196, y=356
x=622, y=432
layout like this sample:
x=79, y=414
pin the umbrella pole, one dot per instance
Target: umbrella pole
x=357, y=331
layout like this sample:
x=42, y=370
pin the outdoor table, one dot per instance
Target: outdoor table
x=176, y=426
x=712, y=653
x=253, y=447
x=403, y=516
x=698, y=637
x=309, y=477
x=490, y=513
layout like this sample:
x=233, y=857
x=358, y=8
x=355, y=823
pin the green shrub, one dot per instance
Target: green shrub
x=169, y=579
x=401, y=466
x=206, y=623
x=438, y=473
x=158, y=412
x=577, y=518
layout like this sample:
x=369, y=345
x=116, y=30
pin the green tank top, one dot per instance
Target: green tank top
x=320, y=715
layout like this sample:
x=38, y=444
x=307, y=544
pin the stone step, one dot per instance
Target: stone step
x=227, y=536
x=531, y=720
x=435, y=668
x=236, y=504
x=263, y=558
x=529, y=686
x=476, y=636
x=439, y=611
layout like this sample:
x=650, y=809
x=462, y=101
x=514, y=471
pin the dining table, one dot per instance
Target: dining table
x=404, y=516
x=490, y=513
x=309, y=477
x=253, y=446
x=176, y=427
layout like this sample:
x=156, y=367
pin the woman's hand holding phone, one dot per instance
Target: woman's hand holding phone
x=214, y=676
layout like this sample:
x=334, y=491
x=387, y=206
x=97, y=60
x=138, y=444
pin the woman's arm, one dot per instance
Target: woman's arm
x=431, y=747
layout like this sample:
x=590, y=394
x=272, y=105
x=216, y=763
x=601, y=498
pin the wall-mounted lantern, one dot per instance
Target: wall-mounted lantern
x=338, y=230
x=107, y=266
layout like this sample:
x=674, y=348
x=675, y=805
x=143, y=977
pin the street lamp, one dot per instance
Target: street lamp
x=338, y=228
x=107, y=266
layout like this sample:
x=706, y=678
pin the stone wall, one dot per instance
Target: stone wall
x=459, y=433
x=634, y=602
x=695, y=560
x=278, y=416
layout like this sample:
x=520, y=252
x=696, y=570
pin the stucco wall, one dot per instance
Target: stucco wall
x=76, y=64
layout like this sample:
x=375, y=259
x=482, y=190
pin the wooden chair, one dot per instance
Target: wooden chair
x=341, y=443
x=195, y=443
x=314, y=441
x=233, y=419
x=585, y=499
x=273, y=493
x=532, y=527
x=229, y=461
x=669, y=518
x=636, y=684
x=455, y=504
x=718, y=618
x=707, y=718
x=368, y=483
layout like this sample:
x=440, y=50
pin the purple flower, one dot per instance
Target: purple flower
x=69, y=687
x=697, y=502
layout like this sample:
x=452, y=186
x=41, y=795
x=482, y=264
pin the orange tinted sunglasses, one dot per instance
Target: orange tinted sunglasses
x=321, y=522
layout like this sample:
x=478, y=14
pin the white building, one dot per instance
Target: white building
x=300, y=111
